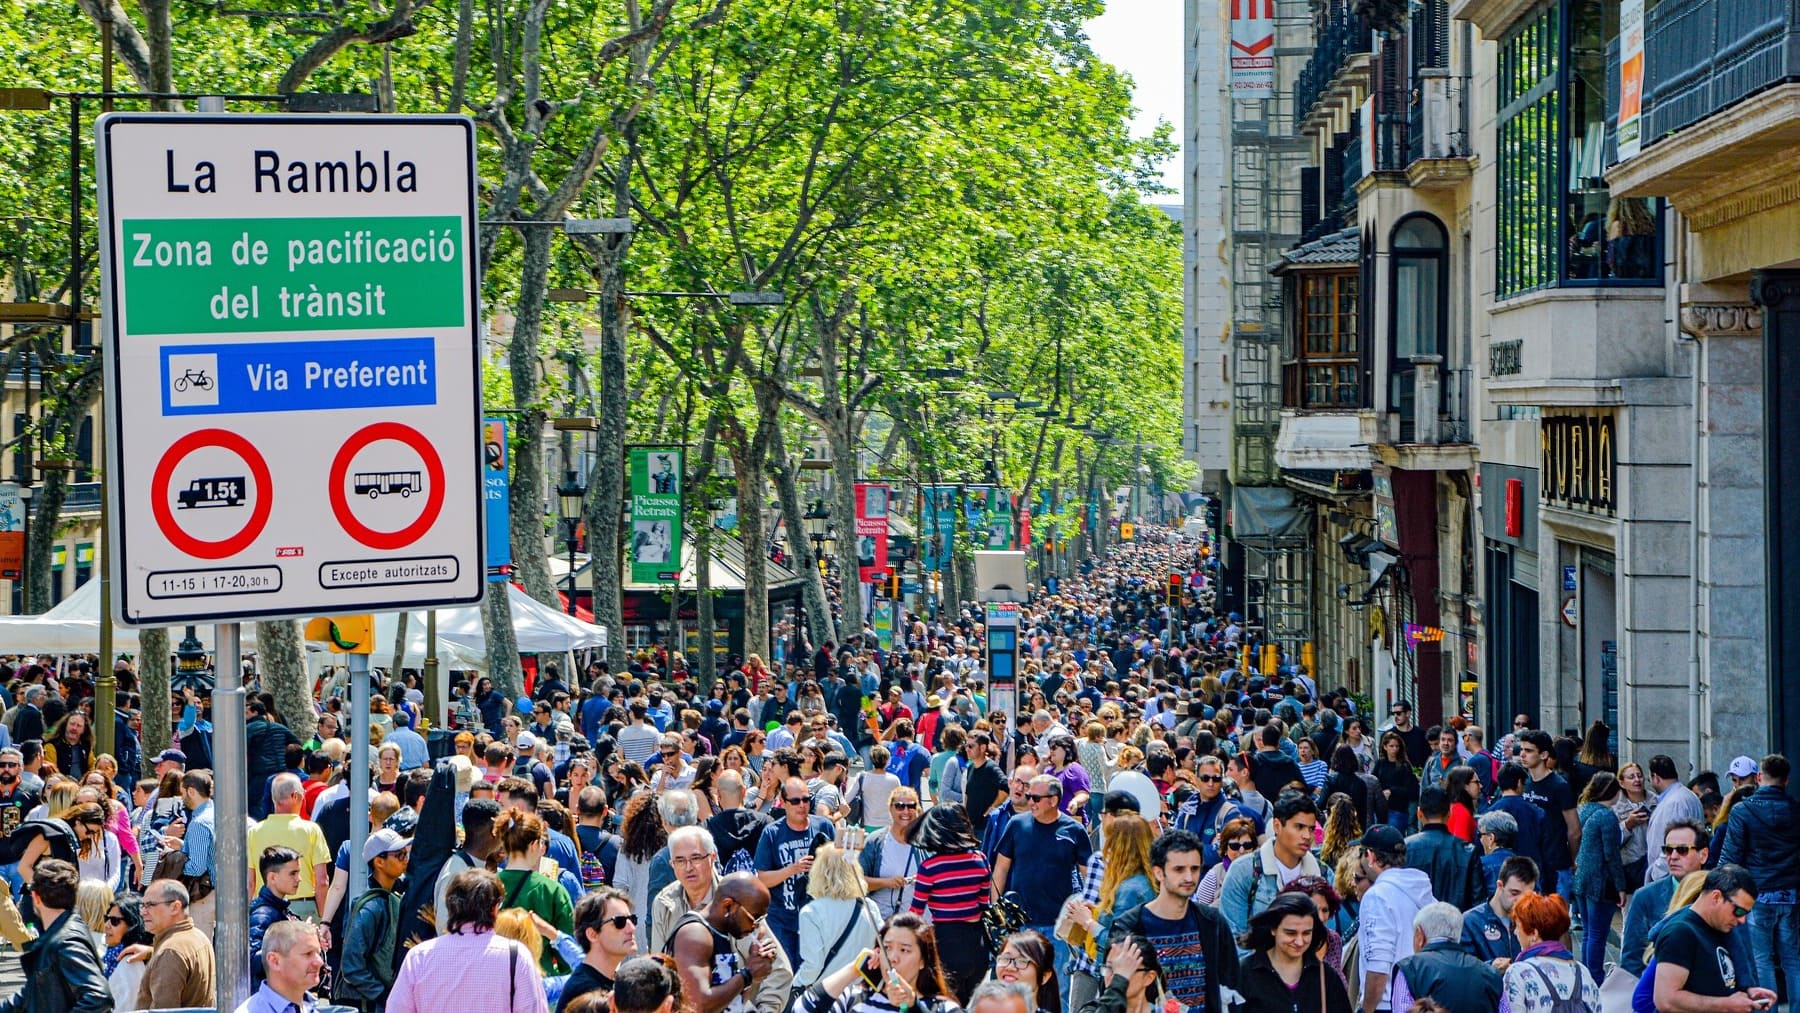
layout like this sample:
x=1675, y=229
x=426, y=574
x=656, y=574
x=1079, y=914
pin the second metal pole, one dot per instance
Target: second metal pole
x=231, y=815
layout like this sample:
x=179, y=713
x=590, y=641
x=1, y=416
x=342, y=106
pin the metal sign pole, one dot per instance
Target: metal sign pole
x=231, y=813
x=359, y=774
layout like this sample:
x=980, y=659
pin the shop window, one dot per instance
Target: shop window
x=1326, y=366
x=1557, y=222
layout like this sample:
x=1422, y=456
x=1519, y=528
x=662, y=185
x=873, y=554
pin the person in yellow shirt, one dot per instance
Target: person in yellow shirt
x=286, y=828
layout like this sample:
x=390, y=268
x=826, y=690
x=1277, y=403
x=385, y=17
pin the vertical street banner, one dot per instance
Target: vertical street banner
x=1252, y=48
x=976, y=507
x=12, y=532
x=1001, y=533
x=656, y=514
x=1631, y=77
x=940, y=527
x=882, y=618
x=497, y=499
x=871, y=531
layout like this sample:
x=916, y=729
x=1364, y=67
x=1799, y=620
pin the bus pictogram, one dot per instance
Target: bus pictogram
x=376, y=484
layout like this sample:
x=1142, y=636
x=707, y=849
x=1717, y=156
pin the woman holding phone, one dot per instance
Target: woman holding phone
x=903, y=973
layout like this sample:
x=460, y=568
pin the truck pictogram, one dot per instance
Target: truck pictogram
x=212, y=492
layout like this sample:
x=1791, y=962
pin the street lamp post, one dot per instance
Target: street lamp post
x=571, y=493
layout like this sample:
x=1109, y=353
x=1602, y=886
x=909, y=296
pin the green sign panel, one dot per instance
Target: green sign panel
x=244, y=275
x=656, y=515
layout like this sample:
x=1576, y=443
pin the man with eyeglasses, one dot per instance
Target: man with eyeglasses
x=1696, y=967
x=1209, y=808
x=674, y=771
x=606, y=928
x=1041, y=853
x=716, y=974
x=179, y=972
x=1410, y=734
x=1002, y=815
x=1685, y=847
x=784, y=856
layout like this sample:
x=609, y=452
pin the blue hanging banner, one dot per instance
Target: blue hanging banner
x=497, y=499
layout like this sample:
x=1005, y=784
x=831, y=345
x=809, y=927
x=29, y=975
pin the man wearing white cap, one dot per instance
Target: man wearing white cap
x=1743, y=771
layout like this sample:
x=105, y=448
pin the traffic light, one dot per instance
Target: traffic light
x=1175, y=586
x=893, y=586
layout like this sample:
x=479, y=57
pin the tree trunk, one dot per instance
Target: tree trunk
x=843, y=519
x=502, y=645
x=153, y=689
x=46, y=517
x=812, y=588
x=752, y=498
x=606, y=490
x=282, y=660
x=699, y=515
x=531, y=561
x=400, y=632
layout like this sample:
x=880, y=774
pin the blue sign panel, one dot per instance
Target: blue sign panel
x=496, y=497
x=292, y=376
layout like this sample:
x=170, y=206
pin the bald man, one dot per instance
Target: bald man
x=286, y=828
x=705, y=946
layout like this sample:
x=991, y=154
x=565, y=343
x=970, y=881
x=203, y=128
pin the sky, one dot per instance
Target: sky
x=1143, y=38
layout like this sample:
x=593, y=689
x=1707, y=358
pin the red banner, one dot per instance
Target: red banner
x=871, y=532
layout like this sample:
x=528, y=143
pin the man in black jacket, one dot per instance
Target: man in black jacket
x=265, y=745
x=1174, y=924
x=1762, y=834
x=62, y=965
x=1454, y=869
x=1270, y=768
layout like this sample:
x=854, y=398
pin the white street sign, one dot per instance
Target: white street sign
x=293, y=395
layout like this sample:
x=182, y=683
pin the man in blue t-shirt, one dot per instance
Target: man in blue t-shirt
x=1041, y=854
x=784, y=855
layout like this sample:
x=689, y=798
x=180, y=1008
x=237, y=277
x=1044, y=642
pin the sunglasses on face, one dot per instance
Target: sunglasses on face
x=1239, y=845
x=620, y=921
x=903, y=805
x=114, y=920
x=1037, y=798
x=1210, y=779
x=796, y=801
x=1678, y=849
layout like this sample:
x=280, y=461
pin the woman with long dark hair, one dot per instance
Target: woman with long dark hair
x=953, y=884
x=1284, y=971
x=1399, y=782
x=644, y=835
x=1598, y=888
x=1464, y=789
x=906, y=965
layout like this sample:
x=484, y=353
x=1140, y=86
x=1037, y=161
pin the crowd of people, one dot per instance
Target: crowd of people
x=1154, y=819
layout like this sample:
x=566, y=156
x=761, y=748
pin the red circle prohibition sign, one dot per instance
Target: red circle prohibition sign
x=434, y=496
x=259, y=509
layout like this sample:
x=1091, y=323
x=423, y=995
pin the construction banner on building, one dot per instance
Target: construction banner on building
x=871, y=532
x=656, y=515
x=1631, y=77
x=1252, y=48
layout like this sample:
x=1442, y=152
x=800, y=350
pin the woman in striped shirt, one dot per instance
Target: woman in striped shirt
x=953, y=885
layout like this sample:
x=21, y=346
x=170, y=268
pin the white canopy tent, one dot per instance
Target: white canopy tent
x=539, y=629
x=73, y=627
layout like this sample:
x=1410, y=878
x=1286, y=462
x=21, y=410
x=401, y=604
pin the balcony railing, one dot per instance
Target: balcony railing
x=1345, y=35
x=1702, y=56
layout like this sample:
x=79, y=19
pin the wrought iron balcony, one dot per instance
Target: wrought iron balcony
x=1702, y=56
x=1345, y=35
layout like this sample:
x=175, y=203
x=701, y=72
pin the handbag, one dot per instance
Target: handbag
x=856, y=803
x=1616, y=991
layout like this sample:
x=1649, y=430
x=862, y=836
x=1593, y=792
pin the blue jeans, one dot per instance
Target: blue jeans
x=1064, y=957
x=1596, y=925
x=1399, y=819
x=1565, y=882
x=10, y=873
x=1775, y=939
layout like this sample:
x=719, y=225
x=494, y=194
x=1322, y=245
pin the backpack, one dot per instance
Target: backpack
x=741, y=860
x=593, y=870
x=898, y=761
x=1559, y=1004
x=56, y=833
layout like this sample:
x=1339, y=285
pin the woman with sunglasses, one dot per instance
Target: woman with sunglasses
x=1029, y=959
x=890, y=855
x=953, y=885
x=903, y=974
x=123, y=928
x=1237, y=838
